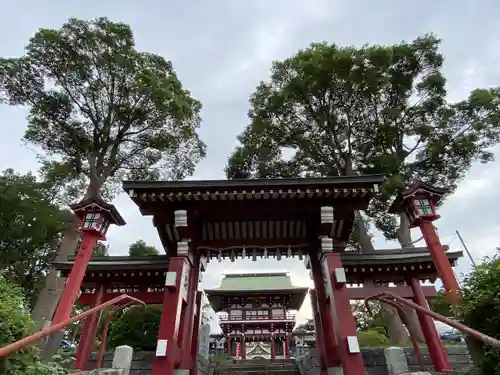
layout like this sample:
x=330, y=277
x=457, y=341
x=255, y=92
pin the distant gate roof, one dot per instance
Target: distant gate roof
x=258, y=284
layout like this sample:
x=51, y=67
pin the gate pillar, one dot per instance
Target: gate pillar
x=328, y=329
x=340, y=310
x=89, y=333
x=318, y=329
x=173, y=316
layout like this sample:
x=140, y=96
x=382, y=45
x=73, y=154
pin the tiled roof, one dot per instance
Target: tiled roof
x=257, y=282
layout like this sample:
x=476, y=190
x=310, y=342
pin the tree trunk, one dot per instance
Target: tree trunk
x=364, y=238
x=395, y=328
x=405, y=240
x=94, y=188
x=49, y=296
x=404, y=232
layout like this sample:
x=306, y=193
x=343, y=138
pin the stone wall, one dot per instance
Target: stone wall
x=375, y=360
x=142, y=362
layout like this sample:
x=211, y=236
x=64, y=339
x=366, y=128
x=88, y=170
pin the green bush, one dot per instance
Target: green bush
x=15, y=324
x=137, y=326
x=372, y=339
x=481, y=310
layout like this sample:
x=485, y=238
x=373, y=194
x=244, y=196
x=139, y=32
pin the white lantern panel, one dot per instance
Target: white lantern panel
x=423, y=207
x=91, y=220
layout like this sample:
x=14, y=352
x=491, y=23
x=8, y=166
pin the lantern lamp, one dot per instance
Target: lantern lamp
x=418, y=203
x=96, y=216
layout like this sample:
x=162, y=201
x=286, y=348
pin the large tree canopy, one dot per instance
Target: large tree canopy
x=375, y=109
x=30, y=227
x=101, y=110
x=140, y=248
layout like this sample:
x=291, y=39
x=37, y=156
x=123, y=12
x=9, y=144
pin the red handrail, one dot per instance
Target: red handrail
x=386, y=296
x=6, y=350
x=104, y=334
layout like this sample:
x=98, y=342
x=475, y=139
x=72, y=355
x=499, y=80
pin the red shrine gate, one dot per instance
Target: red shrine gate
x=305, y=218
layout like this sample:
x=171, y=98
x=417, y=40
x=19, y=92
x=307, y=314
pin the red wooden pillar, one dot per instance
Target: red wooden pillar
x=318, y=329
x=89, y=333
x=243, y=347
x=285, y=347
x=435, y=346
x=328, y=330
x=345, y=324
x=273, y=347
x=74, y=280
x=188, y=323
x=440, y=260
x=197, y=321
x=228, y=342
x=173, y=317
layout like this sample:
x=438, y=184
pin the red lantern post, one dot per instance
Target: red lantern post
x=419, y=204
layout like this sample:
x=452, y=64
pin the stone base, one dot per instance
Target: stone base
x=335, y=371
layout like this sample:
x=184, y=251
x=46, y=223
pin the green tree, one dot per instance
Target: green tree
x=374, y=109
x=15, y=324
x=101, y=111
x=140, y=248
x=100, y=250
x=30, y=227
x=104, y=110
x=479, y=310
x=137, y=326
x=441, y=304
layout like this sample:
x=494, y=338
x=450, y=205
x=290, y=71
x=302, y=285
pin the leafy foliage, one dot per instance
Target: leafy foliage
x=137, y=326
x=15, y=324
x=441, y=304
x=30, y=227
x=100, y=250
x=374, y=109
x=140, y=248
x=101, y=110
x=480, y=310
x=372, y=339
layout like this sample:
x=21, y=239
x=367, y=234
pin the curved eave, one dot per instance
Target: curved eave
x=298, y=296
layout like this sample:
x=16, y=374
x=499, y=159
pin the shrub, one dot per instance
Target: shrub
x=15, y=324
x=372, y=339
x=481, y=310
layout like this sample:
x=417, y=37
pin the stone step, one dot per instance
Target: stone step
x=261, y=372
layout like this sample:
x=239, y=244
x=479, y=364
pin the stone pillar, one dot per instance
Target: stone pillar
x=395, y=358
x=344, y=322
x=122, y=359
x=436, y=349
x=89, y=334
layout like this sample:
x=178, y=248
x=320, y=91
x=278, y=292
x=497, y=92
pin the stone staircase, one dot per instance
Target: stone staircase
x=258, y=367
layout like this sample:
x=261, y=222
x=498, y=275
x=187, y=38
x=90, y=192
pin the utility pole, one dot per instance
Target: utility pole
x=466, y=249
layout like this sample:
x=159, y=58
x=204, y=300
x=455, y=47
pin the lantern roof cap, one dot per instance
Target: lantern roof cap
x=435, y=194
x=93, y=202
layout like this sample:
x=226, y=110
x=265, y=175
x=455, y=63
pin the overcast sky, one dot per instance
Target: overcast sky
x=221, y=49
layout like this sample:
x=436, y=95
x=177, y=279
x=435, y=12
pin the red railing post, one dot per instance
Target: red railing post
x=6, y=350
